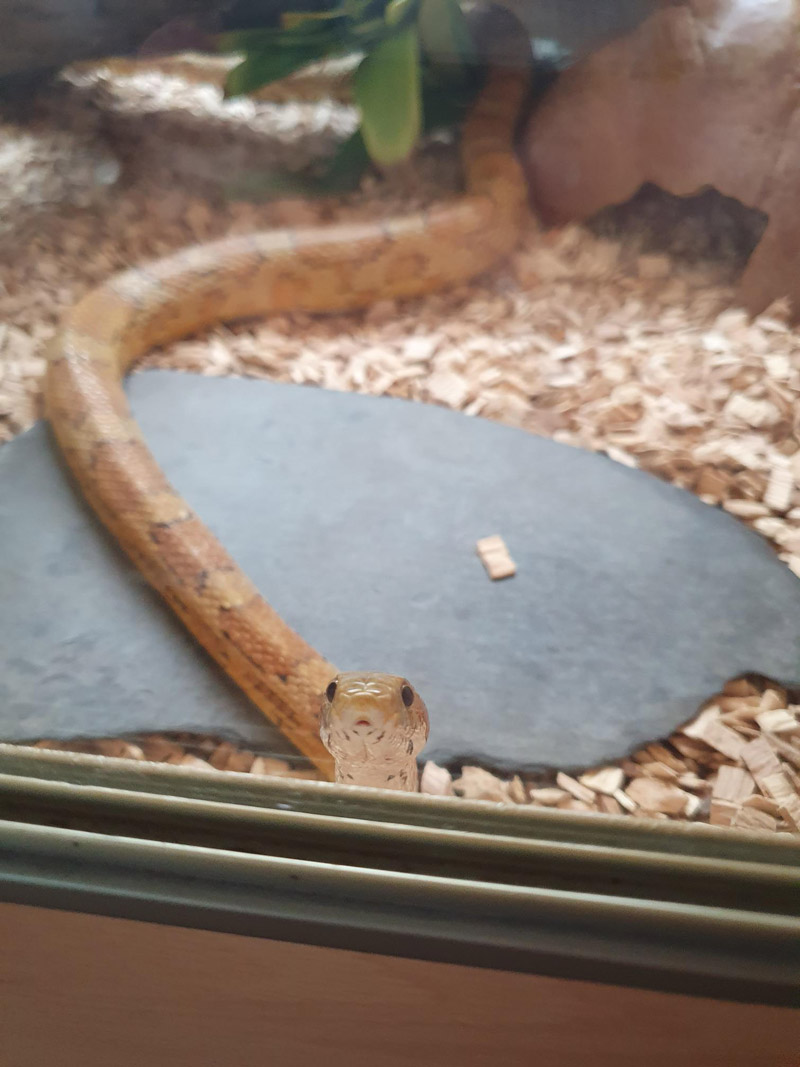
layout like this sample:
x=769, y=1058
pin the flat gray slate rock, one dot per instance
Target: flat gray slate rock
x=357, y=517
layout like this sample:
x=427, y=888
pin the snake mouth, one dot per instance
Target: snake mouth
x=362, y=722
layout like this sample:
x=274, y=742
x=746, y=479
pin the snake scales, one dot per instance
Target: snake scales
x=331, y=269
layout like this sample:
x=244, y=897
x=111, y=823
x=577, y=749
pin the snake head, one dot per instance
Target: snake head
x=368, y=716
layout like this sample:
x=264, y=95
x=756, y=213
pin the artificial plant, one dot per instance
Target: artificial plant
x=417, y=72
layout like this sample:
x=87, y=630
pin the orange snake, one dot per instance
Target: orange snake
x=332, y=269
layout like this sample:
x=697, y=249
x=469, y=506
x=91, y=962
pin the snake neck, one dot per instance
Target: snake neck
x=399, y=775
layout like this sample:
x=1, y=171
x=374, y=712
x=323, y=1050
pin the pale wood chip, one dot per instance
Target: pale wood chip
x=721, y=812
x=777, y=721
x=760, y=760
x=625, y=801
x=758, y=413
x=718, y=736
x=516, y=790
x=740, y=705
x=118, y=749
x=575, y=788
x=436, y=780
x=732, y=784
x=547, y=796
x=749, y=818
x=159, y=749
x=694, y=783
x=746, y=509
x=773, y=700
x=762, y=803
x=226, y=757
x=197, y=764
x=495, y=557
x=653, y=769
x=449, y=388
x=240, y=761
x=654, y=795
x=695, y=728
x=476, y=783
x=781, y=789
x=742, y=724
x=609, y=805
x=778, y=367
x=268, y=765
x=789, y=752
x=662, y=754
x=604, y=780
x=774, y=528
x=573, y=804
x=780, y=489
x=621, y=456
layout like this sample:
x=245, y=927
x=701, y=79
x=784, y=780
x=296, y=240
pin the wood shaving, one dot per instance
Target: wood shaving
x=577, y=337
x=655, y=795
x=753, y=819
x=605, y=780
x=436, y=780
x=575, y=788
x=547, y=797
x=495, y=558
x=778, y=721
x=476, y=783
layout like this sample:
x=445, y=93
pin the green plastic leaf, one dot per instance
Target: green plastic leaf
x=387, y=88
x=273, y=52
x=444, y=32
x=399, y=11
x=294, y=19
x=261, y=68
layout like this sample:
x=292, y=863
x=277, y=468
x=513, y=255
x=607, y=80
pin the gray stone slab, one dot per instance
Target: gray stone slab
x=357, y=518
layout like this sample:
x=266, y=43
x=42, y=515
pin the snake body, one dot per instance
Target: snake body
x=332, y=269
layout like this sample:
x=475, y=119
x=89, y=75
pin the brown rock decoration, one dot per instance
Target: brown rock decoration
x=703, y=93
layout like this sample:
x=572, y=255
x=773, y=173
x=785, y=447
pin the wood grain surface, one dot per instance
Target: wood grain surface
x=89, y=991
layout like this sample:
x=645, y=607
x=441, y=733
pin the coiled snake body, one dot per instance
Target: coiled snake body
x=333, y=269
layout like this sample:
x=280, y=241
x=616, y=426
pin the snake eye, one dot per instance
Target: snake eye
x=330, y=692
x=407, y=693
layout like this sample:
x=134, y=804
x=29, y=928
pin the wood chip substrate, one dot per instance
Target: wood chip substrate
x=595, y=342
x=736, y=764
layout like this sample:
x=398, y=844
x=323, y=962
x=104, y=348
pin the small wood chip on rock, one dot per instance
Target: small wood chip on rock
x=495, y=558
